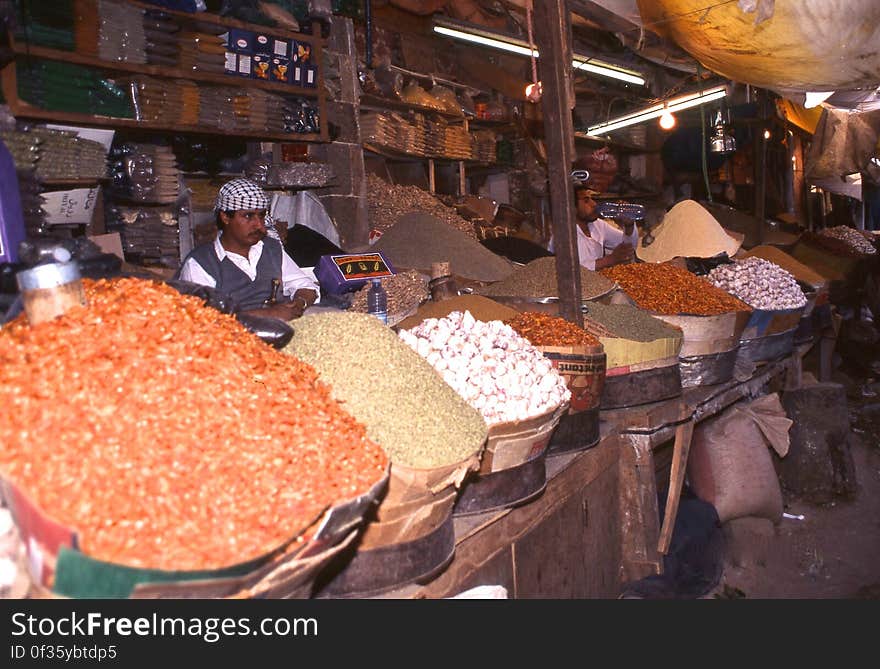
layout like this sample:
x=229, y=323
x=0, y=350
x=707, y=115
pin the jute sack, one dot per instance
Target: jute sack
x=729, y=465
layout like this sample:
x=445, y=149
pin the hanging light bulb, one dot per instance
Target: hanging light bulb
x=766, y=134
x=667, y=120
x=534, y=92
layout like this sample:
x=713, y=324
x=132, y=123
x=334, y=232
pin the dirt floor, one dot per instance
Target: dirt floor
x=834, y=551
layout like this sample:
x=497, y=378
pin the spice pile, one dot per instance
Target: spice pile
x=406, y=407
x=852, y=238
x=687, y=230
x=759, y=283
x=538, y=279
x=667, y=289
x=388, y=203
x=418, y=240
x=797, y=269
x=168, y=435
x=546, y=330
x=626, y=322
x=495, y=370
x=406, y=291
x=481, y=308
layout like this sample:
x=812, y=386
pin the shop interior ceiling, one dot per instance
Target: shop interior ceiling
x=789, y=46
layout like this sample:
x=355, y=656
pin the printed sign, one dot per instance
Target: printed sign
x=364, y=266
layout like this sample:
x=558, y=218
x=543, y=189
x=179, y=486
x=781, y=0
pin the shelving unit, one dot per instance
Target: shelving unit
x=23, y=51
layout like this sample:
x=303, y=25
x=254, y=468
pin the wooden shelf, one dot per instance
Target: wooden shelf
x=386, y=104
x=163, y=72
x=20, y=108
x=81, y=181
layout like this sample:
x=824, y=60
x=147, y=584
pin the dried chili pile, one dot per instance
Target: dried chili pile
x=545, y=330
x=168, y=435
x=667, y=289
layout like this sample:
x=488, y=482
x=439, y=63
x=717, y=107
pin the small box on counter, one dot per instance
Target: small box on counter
x=230, y=66
x=296, y=74
x=262, y=44
x=310, y=76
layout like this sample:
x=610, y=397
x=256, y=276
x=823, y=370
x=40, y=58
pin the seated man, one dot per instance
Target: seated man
x=245, y=263
x=600, y=243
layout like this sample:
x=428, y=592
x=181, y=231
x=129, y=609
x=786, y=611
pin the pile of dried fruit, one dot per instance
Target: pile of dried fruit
x=170, y=436
x=545, y=330
x=667, y=289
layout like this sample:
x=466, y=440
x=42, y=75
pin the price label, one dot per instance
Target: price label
x=363, y=266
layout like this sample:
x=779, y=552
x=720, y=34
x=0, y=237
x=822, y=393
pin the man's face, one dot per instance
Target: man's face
x=586, y=206
x=245, y=227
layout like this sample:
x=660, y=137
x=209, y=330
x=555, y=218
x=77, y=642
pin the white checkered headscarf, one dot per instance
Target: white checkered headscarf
x=240, y=194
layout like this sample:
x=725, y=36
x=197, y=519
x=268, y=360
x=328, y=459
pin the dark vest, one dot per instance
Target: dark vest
x=235, y=283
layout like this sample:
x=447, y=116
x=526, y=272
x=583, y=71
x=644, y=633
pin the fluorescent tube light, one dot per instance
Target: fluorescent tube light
x=512, y=45
x=674, y=105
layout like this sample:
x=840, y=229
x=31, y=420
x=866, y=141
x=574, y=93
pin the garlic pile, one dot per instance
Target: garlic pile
x=494, y=369
x=856, y=240
x=759, y=283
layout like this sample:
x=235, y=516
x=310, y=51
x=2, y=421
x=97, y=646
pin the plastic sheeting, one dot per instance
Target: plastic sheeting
x=305, y=209
x=805, y=45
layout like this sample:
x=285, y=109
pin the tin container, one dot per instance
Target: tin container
x=48, y=291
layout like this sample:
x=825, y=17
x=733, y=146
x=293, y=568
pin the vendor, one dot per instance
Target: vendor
x=245, y=263
x=600, y=242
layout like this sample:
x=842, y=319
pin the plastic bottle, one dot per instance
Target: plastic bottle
x=377, y=301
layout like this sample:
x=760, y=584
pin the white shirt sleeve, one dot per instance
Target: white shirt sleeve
x=589, y=249
x=194, y=272
x=293, y=278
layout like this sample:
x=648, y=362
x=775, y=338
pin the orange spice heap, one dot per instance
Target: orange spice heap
x=667, y=289
x=545, y=330
x=168, y=435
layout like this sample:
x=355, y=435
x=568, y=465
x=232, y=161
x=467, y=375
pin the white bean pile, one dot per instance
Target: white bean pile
x=853, y=238
x=759, y=283
x=493, y=368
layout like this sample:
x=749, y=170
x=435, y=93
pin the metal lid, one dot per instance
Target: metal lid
x=47, y=276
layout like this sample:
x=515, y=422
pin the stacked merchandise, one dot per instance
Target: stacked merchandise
x=379, y=129
x=301, y=116
x=150, y=236
x=156, y=100
x=457, y=143
x=259, y=111
x=148, y=174
x=66, y=156
x=216, y=107
x=85, y=27
x=435, y=135
x=45, y=24
x=25, y=150
x=202, y=52
x=64, y=87
x=484, y=143
x=121, y=32
x=162, y=44
x=190, y=102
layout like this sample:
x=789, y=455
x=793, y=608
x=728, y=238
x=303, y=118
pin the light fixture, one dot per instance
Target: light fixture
x=534, y=91
x=766, y=134
x=510, y=44
x=721, y=141
x=667, y=120
x=673, y=105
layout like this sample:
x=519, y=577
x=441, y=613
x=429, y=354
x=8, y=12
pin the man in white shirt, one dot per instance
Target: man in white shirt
x=600, y=242
x=245, y=263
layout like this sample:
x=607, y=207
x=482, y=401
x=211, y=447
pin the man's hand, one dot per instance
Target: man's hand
x=622, y=254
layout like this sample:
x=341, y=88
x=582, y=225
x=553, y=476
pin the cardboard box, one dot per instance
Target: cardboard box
x=310, y=77
x=109, y=243
x=245, y=65
x=262, y=65
x=240, y=41
x=280, y=69
x=300, y=52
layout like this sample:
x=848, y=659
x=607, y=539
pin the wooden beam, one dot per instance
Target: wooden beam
x=553, y=38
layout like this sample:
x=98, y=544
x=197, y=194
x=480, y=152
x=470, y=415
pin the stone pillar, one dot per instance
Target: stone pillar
x=346, y=201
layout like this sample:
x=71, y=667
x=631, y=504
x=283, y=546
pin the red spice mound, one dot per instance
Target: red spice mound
x=545, y=330
x=667, y=289
x=168, y=435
